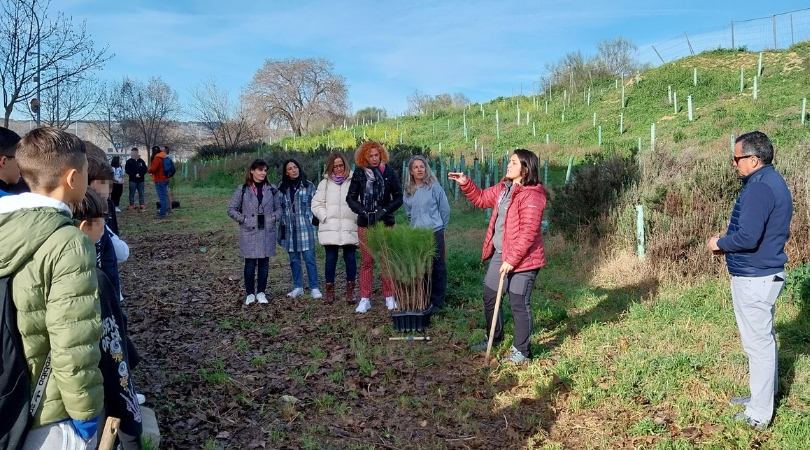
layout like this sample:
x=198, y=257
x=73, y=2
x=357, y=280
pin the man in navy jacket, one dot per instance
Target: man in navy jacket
x=754, y=246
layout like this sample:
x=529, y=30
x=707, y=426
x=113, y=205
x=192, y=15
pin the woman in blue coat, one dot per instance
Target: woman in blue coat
x=256, y=206
x=299, y=234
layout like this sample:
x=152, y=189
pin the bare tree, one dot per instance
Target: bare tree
x=297, y=92
x=617, y=56
x=145, y=112
x=106, y=114
x=131, y=112
x=31, y=42
x=69, y=102
x=229, y=124
x=420, y=103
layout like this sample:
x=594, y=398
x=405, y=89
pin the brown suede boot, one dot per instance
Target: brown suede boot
x=350, y=298
x=330, y=293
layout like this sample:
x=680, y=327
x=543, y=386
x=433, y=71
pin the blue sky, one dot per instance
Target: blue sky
x=385, y=49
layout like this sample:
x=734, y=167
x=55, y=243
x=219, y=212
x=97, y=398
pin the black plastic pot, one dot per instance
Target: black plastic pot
x=409, y=321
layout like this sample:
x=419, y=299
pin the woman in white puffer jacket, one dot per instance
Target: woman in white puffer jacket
x=338, y=224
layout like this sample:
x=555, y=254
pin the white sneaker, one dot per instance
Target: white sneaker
x=316, y=293
x=250, y=299
x=365, y=305
x=141, y=399
x=295, y=292
x=117, y=209
x=261, y=298
x=390, y=303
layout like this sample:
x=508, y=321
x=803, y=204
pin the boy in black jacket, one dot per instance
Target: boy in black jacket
x=136, y=168
x=120, y=400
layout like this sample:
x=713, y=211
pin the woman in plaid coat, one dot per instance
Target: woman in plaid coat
x=256, y=207
x=297, y=234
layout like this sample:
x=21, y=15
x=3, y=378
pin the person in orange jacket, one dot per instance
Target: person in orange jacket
x=160, y=179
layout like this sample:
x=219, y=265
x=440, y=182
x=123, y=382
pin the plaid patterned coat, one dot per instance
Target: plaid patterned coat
x=296, y=218
x=253, y=242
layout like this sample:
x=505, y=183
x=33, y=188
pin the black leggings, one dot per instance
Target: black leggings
x=117, y=191
x=519, y=286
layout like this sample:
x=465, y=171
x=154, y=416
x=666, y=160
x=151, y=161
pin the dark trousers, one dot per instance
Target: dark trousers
x=250, y=274
x=519, y=286
x=438, y=275
x=136, y=186
x=117, y=191
x=349, y=258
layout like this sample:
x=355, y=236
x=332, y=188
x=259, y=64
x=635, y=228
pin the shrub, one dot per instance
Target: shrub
x=596, y=187
x=215, y=151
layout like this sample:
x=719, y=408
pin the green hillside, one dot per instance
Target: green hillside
x=720, y=109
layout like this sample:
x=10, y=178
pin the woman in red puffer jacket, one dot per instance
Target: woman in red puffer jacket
x=514, y=242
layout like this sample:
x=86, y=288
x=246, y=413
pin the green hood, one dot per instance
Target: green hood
x=22, y=232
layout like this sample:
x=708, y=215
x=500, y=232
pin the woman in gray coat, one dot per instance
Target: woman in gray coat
x=256, y=206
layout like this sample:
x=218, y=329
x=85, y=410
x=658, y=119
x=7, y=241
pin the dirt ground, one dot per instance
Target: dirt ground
x=300, y=374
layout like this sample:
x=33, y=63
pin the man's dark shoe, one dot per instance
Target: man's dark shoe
x=739, y=400
x=756, y=424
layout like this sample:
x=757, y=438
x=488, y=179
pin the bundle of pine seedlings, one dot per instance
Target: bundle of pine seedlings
x=405, y=255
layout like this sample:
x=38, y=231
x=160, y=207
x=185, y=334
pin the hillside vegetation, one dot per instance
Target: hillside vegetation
x=720, y=109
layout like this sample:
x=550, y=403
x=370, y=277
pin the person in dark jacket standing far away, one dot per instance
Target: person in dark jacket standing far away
x=514, y=241
x=374, y=195
x=754, y=246
x=136, y=169
x=256, y=207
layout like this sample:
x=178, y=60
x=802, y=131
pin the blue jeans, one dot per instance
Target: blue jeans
x=298, y=274
x=136, y=186
x=162, y=188
x=250, y=274
x=349, y=258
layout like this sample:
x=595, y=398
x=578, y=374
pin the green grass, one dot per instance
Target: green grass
x=216, y=374
x=719, y=110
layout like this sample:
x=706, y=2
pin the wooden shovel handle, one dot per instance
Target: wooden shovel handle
x=109, y=434
x=494, y=317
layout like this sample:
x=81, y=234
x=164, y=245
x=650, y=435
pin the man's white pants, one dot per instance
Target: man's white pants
x=754, y=306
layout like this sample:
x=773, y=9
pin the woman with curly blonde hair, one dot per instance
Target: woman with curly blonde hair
x=374, y=194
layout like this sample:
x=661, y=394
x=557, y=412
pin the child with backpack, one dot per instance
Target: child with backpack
x=120, y=399
x=54, y=290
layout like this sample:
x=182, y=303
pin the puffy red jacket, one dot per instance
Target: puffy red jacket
x=522, y=235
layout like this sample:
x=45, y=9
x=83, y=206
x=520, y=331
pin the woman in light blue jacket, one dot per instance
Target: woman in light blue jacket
x=426, y=205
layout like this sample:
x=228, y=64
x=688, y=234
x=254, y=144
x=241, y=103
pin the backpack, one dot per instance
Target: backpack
x=168, y=167
x=16, y=406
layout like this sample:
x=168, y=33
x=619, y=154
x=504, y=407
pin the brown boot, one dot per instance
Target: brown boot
x=330, y=293
x=350, y=298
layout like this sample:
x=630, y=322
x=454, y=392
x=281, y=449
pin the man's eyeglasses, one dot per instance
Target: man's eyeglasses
x=738, y=158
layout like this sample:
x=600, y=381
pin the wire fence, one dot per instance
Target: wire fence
x=778, y=31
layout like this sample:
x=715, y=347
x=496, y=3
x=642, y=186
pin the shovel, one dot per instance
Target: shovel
x=494, y=317
x=109, y=434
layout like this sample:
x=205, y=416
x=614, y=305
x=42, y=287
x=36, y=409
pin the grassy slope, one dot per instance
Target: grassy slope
x=719, y=111
x=621, y=360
